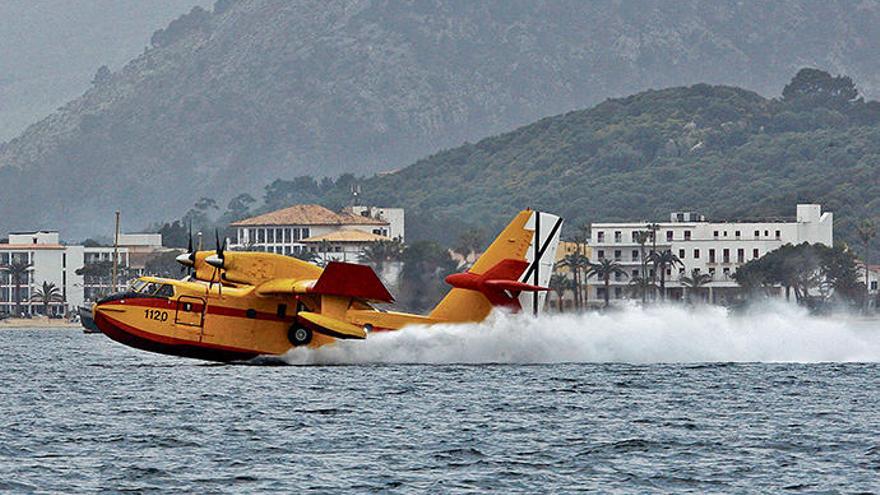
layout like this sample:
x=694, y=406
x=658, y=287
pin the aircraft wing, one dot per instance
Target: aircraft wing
x=337, y=279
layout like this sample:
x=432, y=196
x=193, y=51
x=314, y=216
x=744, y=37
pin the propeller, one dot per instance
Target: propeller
x=188, y=259
x=217, y=260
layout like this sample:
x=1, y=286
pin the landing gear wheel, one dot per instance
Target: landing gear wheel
x=298, y=335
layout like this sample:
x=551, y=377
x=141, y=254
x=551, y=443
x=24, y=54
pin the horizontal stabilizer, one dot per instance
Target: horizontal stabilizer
x=331, y=326
x=350, y=280
x=500, y=284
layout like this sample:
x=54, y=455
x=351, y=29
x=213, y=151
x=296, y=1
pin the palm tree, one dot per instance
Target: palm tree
x=640, y=286
x=603, y=270
x=661, y=262
x=325, y=248
x=48, y=294
x=642, y=237
x=695, y=280
x=575, y=262
x=18, y=271
x=652, y=229
x=378, y=253
x=866, y=231
x=559, y=283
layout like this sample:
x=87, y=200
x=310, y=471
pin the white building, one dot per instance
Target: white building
x=716, y=248
x=336, y=236
x=50, y=261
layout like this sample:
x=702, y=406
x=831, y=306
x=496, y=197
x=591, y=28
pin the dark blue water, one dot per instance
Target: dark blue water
x=79, y=413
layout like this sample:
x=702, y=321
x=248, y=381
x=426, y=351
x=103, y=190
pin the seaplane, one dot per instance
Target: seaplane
x=238, y=305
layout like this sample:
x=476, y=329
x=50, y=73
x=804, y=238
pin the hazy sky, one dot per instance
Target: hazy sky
x=50, y=49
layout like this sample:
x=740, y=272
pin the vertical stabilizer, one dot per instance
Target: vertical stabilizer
x=518, y=241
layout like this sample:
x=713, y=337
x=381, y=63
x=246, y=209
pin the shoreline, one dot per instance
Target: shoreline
x=22, y=323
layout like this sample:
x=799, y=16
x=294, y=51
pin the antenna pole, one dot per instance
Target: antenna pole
x=116, y=254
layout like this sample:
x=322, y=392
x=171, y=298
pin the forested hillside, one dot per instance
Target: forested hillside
x=722, y=151
x=226, y=99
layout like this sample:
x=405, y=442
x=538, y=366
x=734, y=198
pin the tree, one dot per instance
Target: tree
x=380, y=252
x=239, y=207
x=469, y=243
x=661, y=262
x=18, y=271
x=559, y=284
x=642, y=237
x=425, y=265
x=47, y=294
x=164, y=264
x=817, y=87
x=576, y=263
x=695, y=280
x=604, y=270
x=866, y=232
x=652, y=229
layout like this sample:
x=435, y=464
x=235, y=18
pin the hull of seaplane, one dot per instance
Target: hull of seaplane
x=213, y=329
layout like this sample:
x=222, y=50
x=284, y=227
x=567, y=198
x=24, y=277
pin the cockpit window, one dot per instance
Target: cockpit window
x=137, y=285
x=165, y=290
x=149, y=289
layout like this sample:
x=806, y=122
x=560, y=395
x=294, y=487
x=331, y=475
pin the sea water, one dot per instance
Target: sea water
x=631, y=401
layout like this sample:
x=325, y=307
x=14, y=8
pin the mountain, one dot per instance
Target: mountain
x=54, y=48
x=722, y=151
x=225, y=100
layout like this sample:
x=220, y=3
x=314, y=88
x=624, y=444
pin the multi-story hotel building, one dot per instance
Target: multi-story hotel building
x=716, y=248
x=338, y=236
x=48, y=260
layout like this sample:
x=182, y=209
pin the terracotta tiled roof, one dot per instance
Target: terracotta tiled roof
x=347, y=235
x=308, y=215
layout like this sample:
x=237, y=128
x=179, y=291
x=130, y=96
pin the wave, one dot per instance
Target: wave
x=776, y=332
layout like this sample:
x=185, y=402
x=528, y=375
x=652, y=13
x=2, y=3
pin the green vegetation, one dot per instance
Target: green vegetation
x=18, y=271
x=816, y=274
x=47, y=294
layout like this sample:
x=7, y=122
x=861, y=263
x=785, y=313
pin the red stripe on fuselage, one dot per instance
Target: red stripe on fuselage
x=213, y=309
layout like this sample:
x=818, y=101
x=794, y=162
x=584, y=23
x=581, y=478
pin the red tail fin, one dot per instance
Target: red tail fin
x=500, y=284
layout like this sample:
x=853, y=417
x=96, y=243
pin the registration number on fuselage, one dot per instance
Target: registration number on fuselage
x=155, y=314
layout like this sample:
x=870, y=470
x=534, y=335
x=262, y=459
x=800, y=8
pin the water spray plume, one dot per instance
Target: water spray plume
x=662, y=334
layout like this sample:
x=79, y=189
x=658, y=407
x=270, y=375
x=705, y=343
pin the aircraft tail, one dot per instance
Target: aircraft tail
x=514, y=271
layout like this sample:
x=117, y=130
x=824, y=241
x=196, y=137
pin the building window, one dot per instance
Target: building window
x=651, y=273
x=635, y=273
x=687, y=235
x=740, y=255
x=712, y=272
x=778, y=235
x=757, y=234
x=600, y=292
x=715, y=234
x=669, y=272
x=600, y=236
x=726, y=272
x=681, y=254
x=711, y=256
x=618, y=293
x=635, y=255
x=766, y=233
x=305, y=233
x=873, y=285
x=726, y=254
x=618, y=236
x=668, y=235
x=617, y=276
x=755, y=254
x=696, y=254
x=261, y=236
x=617, y=254
x=736, y=234
x=287, y=236
x=600, y=254
x=635, y=236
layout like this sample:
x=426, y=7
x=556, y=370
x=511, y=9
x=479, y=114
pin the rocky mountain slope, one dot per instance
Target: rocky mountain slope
x=228, y=99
